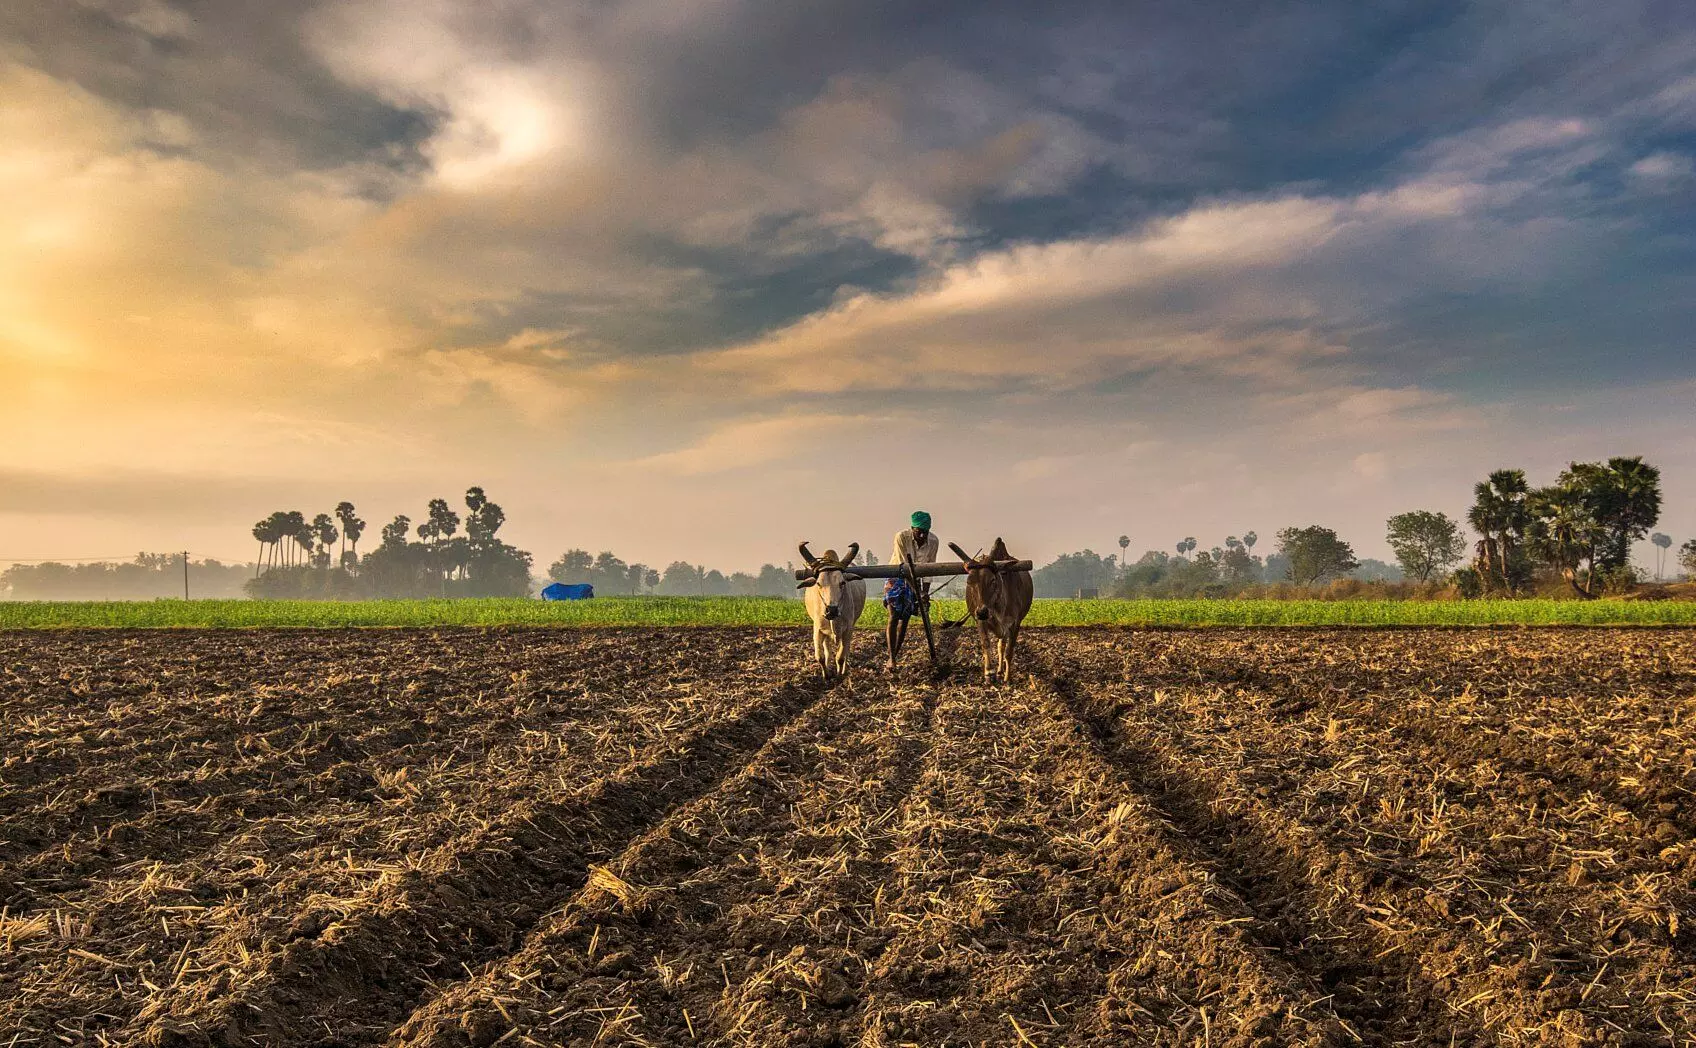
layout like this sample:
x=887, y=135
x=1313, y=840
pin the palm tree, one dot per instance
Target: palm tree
x=305, y=537
x=1564, y=531
x=277, y=529
x=1124, y=544
x=324, y=531
x=1662, y=543
x=344, y=513
x=352, y=528
x=1249, y=539
x=1635, y=491
x=264, y=532
x=1499, y=513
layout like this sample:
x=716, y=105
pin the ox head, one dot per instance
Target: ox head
x=828, y=573
x=984, y=574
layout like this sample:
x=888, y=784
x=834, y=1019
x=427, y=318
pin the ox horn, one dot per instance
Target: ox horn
x=853, y=551
x=958, y=552
x=807, y=555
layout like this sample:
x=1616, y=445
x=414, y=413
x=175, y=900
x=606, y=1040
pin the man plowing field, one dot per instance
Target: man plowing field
x=915, y=544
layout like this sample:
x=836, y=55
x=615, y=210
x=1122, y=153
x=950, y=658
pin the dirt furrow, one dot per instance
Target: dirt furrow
x=1434, y=867
x=738, y=920
x=1036, y=903
x=164, y=928
x=338, y=968
x=363, y=755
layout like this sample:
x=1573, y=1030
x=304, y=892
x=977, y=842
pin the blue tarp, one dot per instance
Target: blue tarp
x=561, y=591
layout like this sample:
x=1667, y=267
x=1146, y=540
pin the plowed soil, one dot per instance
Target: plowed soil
x=457, y=838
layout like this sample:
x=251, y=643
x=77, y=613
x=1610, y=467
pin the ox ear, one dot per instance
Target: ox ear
x=807, y=555
x=853, y=551
x=804, y=583
x=849, y=576
x=958, y=552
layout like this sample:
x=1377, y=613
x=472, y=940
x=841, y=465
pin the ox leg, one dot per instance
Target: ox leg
x=819, y=651
x=844, y=641
x=1007, y=658
x=986, y=643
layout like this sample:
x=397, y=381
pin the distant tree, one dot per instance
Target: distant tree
x=484, y=519
x=344, y=514
x=1249, y=539
x=1565, y=533
x=300, y=529
x=352, y=528
x=572, y=566
x=1586, y=521
x=1124, y=544
x=325, y=533
x=1372, y=570
x=265, y=532
x=635, y=576
x=1687, y=558
x=1071, y=572
x=1661, y=543
x=1427, y=544
x=441, y=523
x=1315, y=553
x=1627, y=496
x=1501, y=515
x=394, y=532
x=682, y=579
x=609, y=574
x=1237, y=566
x=775, y=582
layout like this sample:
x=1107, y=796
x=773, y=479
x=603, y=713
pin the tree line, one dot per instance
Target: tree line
x=1572, y=536
x=149, y=576
x=611, y=576
x=295, y=558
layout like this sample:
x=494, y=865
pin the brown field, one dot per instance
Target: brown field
x=668, y=837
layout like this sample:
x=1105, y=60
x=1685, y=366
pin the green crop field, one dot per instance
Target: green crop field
x=746, y=611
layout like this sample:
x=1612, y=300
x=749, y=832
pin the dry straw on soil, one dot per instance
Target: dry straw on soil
x=671, y=837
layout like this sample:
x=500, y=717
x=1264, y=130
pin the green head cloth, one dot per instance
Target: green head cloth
x=921, y=520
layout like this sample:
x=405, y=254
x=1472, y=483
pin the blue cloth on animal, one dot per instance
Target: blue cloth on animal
x=900, y=599
x=562, y=591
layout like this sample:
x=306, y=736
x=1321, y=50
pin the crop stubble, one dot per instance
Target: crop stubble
x=453, y=838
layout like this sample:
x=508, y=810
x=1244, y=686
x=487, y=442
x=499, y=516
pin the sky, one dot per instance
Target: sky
x=700, y=280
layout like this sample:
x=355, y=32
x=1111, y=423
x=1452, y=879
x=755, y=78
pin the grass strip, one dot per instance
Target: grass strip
x=755, y=611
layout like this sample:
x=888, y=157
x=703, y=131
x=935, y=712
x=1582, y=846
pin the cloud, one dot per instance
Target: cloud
x=712, y=243
x=799, y=439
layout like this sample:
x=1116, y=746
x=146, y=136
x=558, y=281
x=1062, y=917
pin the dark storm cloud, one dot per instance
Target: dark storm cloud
x=237, y=70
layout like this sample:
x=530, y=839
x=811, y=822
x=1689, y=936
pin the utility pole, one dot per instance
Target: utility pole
x=185, y=574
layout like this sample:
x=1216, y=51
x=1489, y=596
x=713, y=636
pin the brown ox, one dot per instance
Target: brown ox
x=999, y=599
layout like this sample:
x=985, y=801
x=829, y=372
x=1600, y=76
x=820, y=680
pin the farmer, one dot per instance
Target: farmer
x=918, y=544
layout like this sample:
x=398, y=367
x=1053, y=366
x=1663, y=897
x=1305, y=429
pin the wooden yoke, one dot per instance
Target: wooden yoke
x=923, y=571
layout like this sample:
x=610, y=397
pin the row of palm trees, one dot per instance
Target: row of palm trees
x=287, y=539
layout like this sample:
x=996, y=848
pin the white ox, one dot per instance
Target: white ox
x=835, y=597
